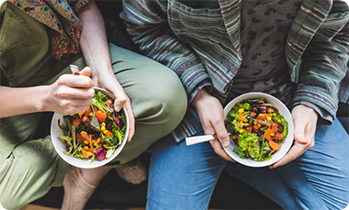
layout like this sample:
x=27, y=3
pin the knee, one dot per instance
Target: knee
x=27, y=175
x=170, y=98
x=160, y=98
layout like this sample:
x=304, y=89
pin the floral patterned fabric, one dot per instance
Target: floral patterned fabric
x=60, y=16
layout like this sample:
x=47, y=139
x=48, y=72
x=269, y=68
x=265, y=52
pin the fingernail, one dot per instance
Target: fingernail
x=118, y=108
x=225, y=143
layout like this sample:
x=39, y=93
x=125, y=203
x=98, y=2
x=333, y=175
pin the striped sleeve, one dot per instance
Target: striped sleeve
x=147, y=23
x=325, y=61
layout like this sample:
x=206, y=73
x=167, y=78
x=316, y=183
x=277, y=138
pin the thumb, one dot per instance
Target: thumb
x=119, y=102
x=86, y=71
x=299, y=132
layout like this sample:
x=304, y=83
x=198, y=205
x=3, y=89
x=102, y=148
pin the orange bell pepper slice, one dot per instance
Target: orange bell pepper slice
x=274, y=145
x=267, y=133
x=241, y=116
x=84, y=153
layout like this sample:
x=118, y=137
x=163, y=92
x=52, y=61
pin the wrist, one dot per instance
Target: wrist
x=198, y=99
x=43, y=99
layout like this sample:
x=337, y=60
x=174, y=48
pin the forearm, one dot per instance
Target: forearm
x=17, y=101
x=325, y=66
x=93, y=40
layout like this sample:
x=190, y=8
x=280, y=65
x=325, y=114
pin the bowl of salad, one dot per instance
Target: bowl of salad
x=82, y=145
x=261, y=129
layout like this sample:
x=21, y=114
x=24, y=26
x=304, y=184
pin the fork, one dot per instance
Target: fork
x=94, y=121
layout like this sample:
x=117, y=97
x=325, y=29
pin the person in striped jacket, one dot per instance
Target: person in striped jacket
x=294, y=50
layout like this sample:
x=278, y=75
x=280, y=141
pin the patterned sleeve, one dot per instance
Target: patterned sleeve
x=325, y=64
x=147, y=23
x=77, y=5
x=4, y=81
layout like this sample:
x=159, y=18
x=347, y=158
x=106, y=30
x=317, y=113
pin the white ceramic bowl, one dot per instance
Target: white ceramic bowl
x=285, y=145
x=59, y=146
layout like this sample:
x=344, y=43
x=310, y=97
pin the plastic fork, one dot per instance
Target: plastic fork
x=94, y=121
x=199, y=139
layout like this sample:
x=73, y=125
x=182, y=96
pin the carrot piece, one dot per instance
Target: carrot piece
x=241, y=116
x=88, y=110
x=109, y=134
x=84, y=153
x=267, y=133
x=274, y=145
x=90, y=141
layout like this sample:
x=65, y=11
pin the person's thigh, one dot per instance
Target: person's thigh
x=319, y=179
x=158, y=98
x=29, y=172
x=182, y=177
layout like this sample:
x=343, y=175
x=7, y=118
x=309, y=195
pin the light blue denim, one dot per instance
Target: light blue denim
x=183, y=177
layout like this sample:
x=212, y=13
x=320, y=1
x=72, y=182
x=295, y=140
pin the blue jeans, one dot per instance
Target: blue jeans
x=183, y=177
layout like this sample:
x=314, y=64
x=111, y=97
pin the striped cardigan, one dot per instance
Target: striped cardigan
x=186, y=40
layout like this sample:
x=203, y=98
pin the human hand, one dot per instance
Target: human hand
x=70, y=93
x=211, y=115
x=304, y=119
x=108, y=81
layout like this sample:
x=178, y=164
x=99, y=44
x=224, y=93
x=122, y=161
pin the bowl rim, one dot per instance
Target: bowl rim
x=286, y=144
x=85, y=163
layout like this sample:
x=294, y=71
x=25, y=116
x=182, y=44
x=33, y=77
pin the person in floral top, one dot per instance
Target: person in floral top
x=39, y=40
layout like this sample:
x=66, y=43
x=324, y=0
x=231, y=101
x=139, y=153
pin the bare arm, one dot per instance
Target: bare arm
x=98, y=58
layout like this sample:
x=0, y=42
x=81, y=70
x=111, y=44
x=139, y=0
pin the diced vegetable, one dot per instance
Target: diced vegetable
x=84, y=142
x=266, y=129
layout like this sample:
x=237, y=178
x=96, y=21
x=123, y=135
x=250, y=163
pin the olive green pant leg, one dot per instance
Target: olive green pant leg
x=158, y=102
x=33, y=166
x=158, y=99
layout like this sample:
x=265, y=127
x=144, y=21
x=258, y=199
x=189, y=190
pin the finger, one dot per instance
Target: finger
x=131, y=118
x=119, y=102
x=78, y=81
x=71, y=107
x=223, y=136
x=217, y=147
x=296, y=151
x=66, y=92
x=299, y=131
x=221, y=131
x=86, y=71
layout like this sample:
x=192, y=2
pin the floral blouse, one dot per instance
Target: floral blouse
x=60, y=17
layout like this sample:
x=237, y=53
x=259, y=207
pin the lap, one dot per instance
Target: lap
x=156, y=93
x=182, y=177
x=317, y=179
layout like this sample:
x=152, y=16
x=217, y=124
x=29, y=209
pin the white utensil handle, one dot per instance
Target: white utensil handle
x=198, y=139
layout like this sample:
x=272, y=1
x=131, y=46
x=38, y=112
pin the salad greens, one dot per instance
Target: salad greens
x=85, y=142
x=258, y=129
